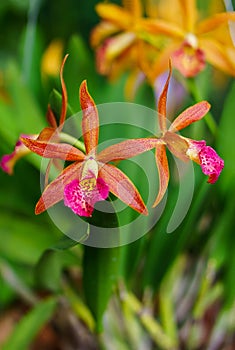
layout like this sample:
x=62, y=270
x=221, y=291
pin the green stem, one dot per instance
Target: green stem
x=72, y=141
x=195, y=92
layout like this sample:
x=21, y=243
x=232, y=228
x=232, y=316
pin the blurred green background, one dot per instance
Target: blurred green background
x=165, y=291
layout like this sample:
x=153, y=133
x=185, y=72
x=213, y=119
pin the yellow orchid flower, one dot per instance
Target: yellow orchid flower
x=193, y=41
x=120, y=43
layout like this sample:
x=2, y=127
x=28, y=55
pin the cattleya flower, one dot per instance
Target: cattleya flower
x=89, y=178
x=120, y=44
x=182, y=147
x=193, y=41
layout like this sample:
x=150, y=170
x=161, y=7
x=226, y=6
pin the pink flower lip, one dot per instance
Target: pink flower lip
x=81, y=196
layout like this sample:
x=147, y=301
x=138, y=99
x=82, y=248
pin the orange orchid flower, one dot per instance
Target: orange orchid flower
x=191, y=41
x=90, y=178
x=182, y=147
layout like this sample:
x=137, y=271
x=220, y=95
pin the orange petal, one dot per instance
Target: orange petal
x=90, y=119
x=163, y=171
x=47, y=134
x=218, y=55
x=214, y=22
x=53, y=150
x=54, y=192
x=127, y=149
x=51, y=117
x=162, y=103
x=64, y=94
x=114, y=14
x=122, y=187
x=190, y=115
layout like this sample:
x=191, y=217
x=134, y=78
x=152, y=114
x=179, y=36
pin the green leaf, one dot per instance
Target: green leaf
x=30, y=325
x=225, y=142
x=50, y=265
x=100, y=268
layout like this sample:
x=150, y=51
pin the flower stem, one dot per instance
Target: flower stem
x=72, y=141
x=195, y=92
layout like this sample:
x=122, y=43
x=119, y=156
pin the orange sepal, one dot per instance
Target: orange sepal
x=122, y=187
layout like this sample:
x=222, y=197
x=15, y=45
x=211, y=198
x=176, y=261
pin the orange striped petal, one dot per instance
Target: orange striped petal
x=127, y=149
x=190, y=115
x=114, y=14
x=54, y=192
x=90, y=119
x=122, y=187
x=163, y=172
x=214, y=22
x=162, y=103
x=53, y=150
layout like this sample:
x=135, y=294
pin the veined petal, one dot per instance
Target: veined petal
x=190, y=115
x=54, y=192
x=48, y=134
x=162, y=103
x=90, y=119
x=163, y=171
x=54, y=150
x=122, y=187
x=214, y=22
x=114, y=14
x=219, y=55
x=127, y=149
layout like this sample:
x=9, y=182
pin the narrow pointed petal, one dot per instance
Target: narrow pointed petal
x=190, y=115
x=127, y=149
x=219, y=55
x=64, y=94
x=162, y=104
x=122, y=187
x=214, y=22
x=163, y=172
x=90, y=119
x=51, y=117
x=54, y=150
x=54, y=192
x=114, y=14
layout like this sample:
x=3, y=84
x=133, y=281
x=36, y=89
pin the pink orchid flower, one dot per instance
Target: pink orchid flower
x=90, y=177
x=182, y=147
